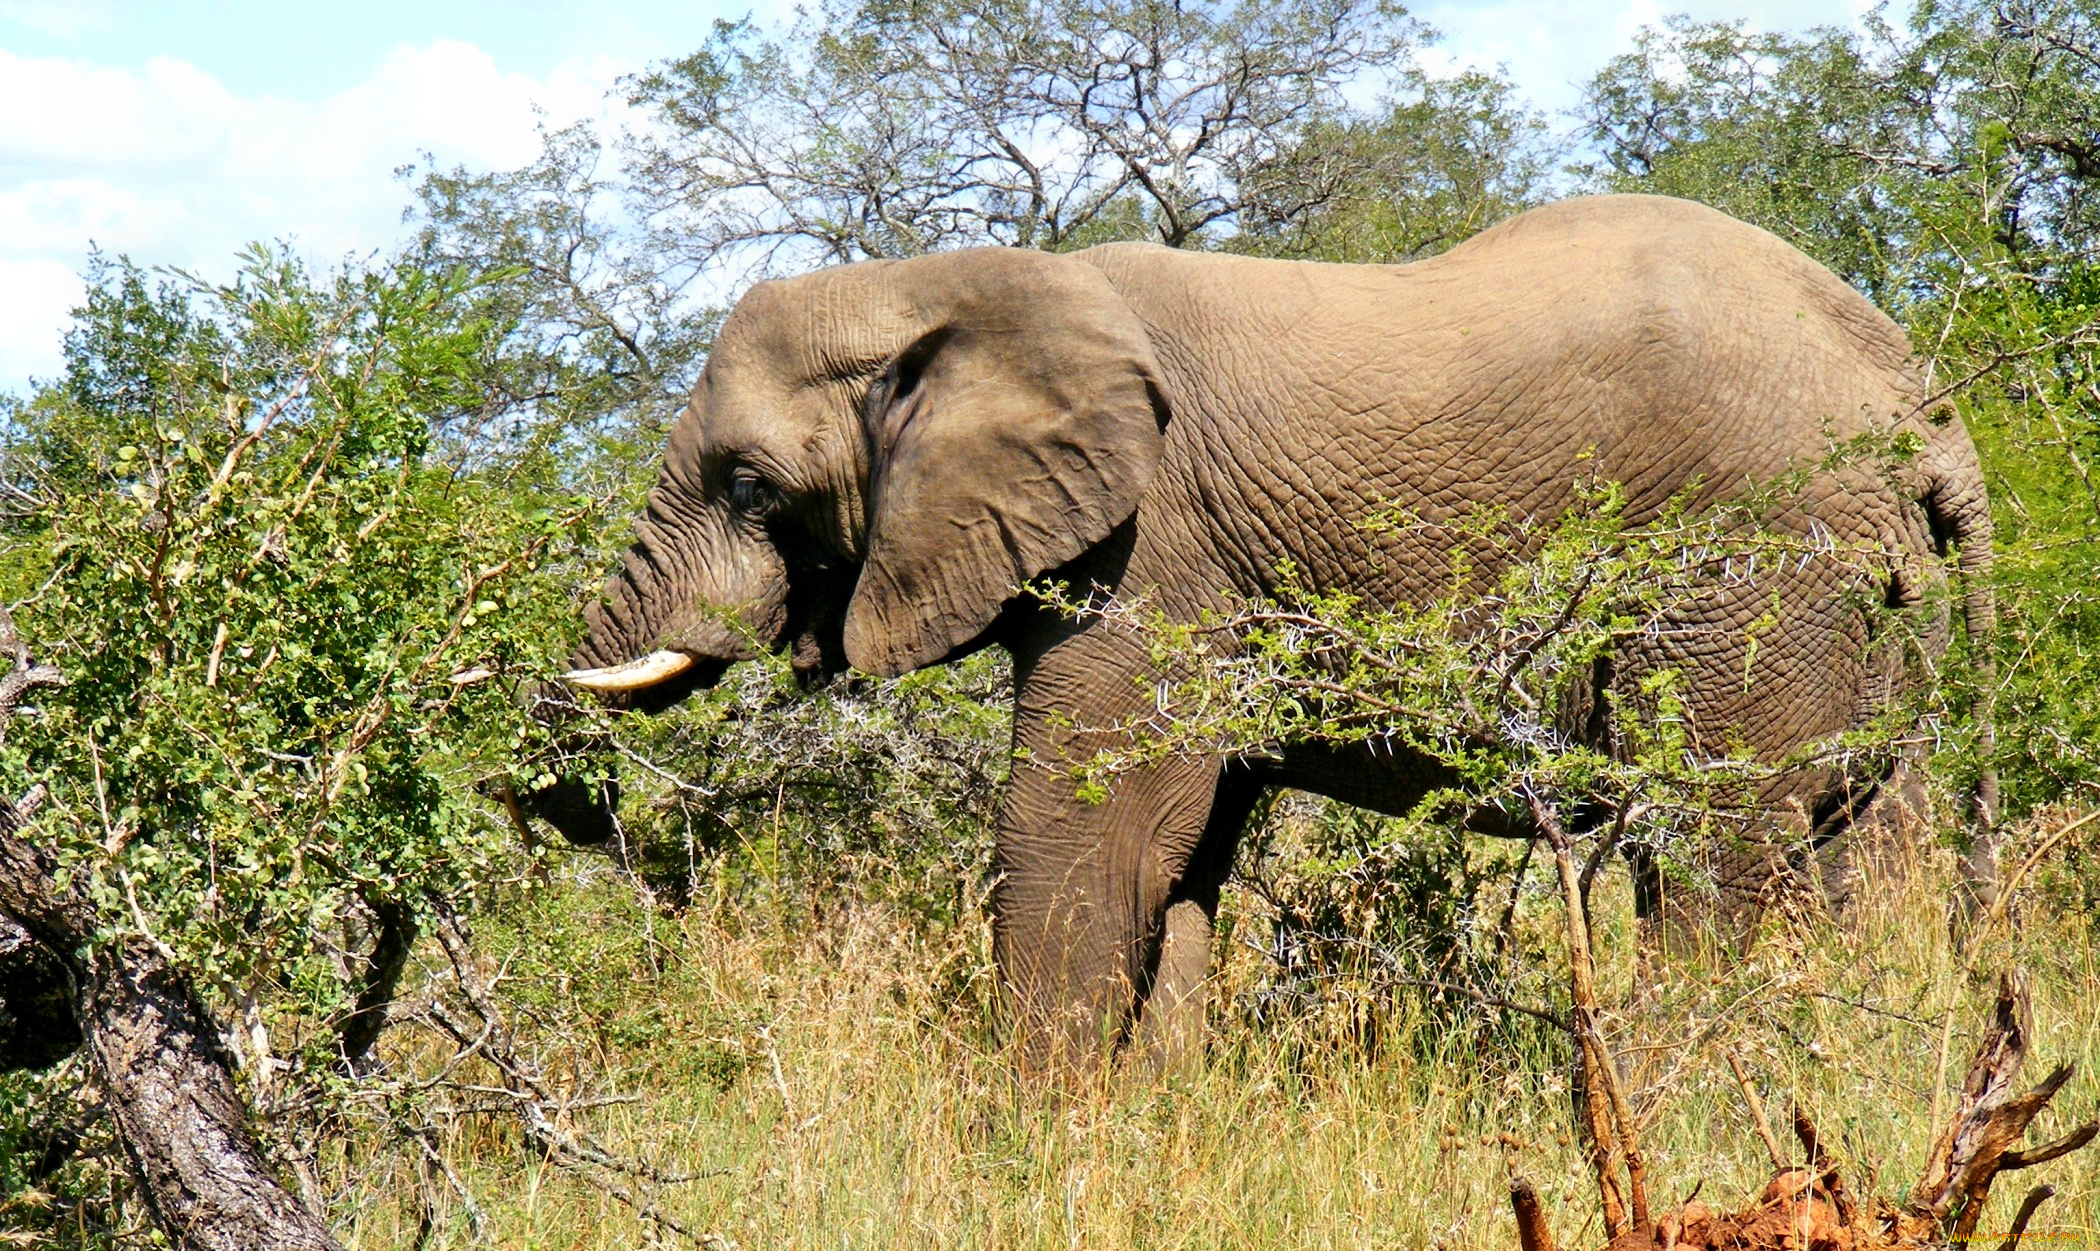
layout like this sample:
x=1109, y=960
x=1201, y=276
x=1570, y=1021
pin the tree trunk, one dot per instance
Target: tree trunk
x=165, y=1078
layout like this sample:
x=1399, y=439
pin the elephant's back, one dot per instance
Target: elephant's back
x=1661, y=341
x=1609, y=321
x=1651, y=341
x=1649, y=255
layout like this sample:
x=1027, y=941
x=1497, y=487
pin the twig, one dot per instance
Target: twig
x=780, y=1086
x=1505, y=933
x=218, y=653
x=525, y=1085
x=1811, y=1141
x=2035, y=1198
x=2001, y=906
x=475, y=1219
x=1757, y=1113
x=1533, y=1234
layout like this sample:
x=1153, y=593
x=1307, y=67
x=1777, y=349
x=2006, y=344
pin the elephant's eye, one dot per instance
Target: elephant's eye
x=749, y=492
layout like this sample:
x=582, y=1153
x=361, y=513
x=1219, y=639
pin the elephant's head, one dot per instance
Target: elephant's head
x=873, y=461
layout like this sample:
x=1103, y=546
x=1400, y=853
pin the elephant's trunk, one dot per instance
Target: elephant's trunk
x=686, y=603
x=689, y=600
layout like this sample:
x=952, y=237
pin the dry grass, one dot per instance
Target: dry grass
x=837, y=1084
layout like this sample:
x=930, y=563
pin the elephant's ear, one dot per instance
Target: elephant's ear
x=1015, y=433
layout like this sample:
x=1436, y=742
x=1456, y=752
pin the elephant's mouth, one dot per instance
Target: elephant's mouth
x=582, y=808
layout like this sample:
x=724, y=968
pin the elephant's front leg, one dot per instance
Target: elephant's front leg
x=1172, y=1023
x=1081, y=907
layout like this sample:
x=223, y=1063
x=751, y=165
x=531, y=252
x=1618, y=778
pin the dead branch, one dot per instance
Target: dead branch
x=2035, y=1198
x=1811, y=1142
x=2013, y=1161
x=1989, y=1119
x=23, y=673
x=390, y=951
x=1811, y=1209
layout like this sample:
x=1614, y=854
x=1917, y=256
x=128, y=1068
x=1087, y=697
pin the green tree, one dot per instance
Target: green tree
x=1445, y=160
x=293, y=617
x=1775, y=129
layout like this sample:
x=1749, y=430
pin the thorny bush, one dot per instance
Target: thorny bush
x=1492, y=678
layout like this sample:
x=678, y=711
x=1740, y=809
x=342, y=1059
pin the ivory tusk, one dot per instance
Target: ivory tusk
x=633, y=676
x=468, y=677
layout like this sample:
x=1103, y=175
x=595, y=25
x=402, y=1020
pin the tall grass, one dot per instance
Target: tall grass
x=834, y=1079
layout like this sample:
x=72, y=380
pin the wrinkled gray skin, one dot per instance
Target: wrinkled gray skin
x=878, y=454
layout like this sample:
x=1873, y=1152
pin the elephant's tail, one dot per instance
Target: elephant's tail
x=1961, y=519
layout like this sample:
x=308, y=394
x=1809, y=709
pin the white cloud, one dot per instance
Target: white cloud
x=168, y=165
x=68, y=115
x=35, y=296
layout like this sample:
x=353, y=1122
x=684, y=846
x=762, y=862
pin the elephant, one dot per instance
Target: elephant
x=880, y=457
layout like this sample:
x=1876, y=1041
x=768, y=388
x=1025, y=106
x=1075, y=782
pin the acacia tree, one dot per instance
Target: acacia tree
x=903, y=126
x=603, y=335
x=892, y=128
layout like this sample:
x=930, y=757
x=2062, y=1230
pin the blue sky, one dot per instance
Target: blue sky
x=178, y=130
x=303, y=50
